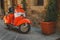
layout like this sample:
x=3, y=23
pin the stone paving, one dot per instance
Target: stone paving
x=34, y=34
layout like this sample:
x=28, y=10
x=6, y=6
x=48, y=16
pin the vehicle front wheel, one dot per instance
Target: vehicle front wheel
x=24, y=28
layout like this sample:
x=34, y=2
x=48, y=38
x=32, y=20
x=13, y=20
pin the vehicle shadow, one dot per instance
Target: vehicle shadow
x=13, y=29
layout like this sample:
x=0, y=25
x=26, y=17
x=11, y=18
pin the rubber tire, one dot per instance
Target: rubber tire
x=19, y=29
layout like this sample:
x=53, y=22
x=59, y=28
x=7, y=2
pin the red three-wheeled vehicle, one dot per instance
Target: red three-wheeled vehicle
x=21, y=23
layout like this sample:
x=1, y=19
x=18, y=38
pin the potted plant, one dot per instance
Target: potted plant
x=48, y=26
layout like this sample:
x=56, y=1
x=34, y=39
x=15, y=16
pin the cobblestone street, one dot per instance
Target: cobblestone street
x=35, y=34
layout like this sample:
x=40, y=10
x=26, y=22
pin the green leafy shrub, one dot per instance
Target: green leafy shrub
x=51, y=14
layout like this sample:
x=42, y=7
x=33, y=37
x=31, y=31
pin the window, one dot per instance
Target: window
x=39, y=3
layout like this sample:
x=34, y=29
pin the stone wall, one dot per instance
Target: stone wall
x=6, y=6
x=58, y=21
x=9, y=3
x=58, y=24
x=36, y=13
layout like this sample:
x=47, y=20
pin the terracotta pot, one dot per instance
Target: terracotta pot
x=48, y=27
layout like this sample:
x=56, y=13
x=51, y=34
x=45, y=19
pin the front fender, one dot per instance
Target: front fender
x=6, y=19
x=22, y=22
